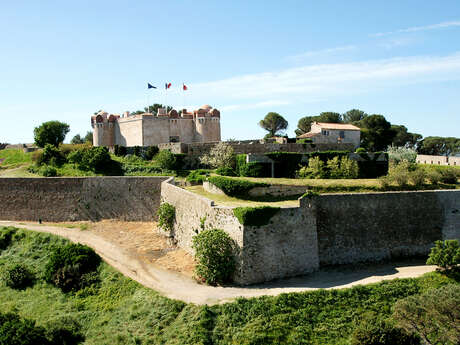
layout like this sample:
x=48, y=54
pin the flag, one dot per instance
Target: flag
x=167, y=85
x=184, y=87
x=150, y=86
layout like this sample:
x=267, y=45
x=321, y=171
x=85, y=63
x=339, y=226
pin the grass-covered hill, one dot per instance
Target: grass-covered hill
x=116, y=310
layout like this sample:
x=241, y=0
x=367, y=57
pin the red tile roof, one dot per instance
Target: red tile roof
x=337, y=126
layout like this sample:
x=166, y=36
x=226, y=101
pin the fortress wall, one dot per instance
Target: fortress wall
x=128, y=132
x=75, y=199
x=376, y=226
x=155, y=130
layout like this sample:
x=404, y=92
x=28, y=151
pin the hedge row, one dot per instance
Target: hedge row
x=252, y=169
x=233, y=187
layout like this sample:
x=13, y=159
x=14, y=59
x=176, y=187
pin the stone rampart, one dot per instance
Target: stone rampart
x=80, y=198
x=376, y=226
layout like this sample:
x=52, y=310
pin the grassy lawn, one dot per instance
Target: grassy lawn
x=15, y=157
x=231, y=201
x=121, y=311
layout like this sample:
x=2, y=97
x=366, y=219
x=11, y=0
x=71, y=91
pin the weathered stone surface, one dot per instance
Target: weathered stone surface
x=80, y=198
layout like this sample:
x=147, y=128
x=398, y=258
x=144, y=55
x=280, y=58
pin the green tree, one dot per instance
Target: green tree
x=273, y=123
x=445, y=254
x=221, y=155
x=51, y=132
x=439, y=146
x=77, y=139
x=376, y=133
x=354, y=115
x=304, y=124
x=166, y=160
x=434, y=315
x=89, y=137
x=403, y=138
x=151, y=109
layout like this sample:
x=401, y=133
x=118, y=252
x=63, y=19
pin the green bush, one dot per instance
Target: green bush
x=445, y=254
x=252, y=169
x=370, y=167
x=433, y=176
x=18, y=277
x=17, y=331
x=417, y=177
x=197, y=176
x=449, y=175
x=151, y=152
x=120, y=151
x=349, y=168
x=315, y=169
x=327, y=155
x=234, y=187
x=399, y=154
x=64, y=331
x=180, y=161
x=95, y=158
x=433, y=315
x=225, y=171
x=166, y=160
x=333, y=168
x=214, y=255
x=304, y=141
x=50, y=155
x=6, y=234
x=68, y=264
x=360, y=150
x=374, y=330
x=399, y=173
x=137, y=151
x=255, y=216
x=47, y=171
x=166, y=216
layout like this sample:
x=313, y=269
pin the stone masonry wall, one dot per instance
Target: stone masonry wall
x=376, y=226
x=85, y=198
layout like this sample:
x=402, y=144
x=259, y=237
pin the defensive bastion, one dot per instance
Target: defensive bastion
x=324, y=230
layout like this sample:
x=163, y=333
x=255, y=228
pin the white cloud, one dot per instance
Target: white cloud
x=419, y=28
x=327, y=80
x=312, y=53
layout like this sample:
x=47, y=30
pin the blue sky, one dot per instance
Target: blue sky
x=63, y=60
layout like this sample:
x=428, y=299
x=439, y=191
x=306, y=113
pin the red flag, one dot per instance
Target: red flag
x=184, y=87
x=167, y=85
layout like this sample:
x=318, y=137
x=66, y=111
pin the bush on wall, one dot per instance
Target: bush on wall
x=255, y=216
x=166, y=216
x=214, y=255
x=234, y=187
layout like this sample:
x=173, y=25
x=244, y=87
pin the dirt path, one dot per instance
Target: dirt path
x=181, y=286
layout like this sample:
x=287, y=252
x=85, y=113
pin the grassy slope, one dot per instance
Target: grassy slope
x=123, y=312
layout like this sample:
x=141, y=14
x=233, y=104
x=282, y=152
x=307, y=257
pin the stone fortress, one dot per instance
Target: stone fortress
x=200, y=126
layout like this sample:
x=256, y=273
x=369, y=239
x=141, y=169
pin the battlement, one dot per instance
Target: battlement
x=146, y=129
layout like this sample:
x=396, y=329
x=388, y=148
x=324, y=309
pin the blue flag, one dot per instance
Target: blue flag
x=150, y=86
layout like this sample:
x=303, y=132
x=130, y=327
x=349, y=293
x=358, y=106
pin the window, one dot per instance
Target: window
x=342, y=134
x=324, y=132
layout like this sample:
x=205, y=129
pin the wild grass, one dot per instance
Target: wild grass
x=120, y=311
x=15, y=157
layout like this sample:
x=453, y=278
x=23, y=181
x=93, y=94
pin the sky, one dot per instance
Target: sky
x=64, y=60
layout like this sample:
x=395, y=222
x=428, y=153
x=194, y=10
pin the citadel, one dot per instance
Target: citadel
x=147, y=129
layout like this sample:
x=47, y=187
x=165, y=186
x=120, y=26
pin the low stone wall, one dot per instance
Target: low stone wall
x=438, y=160
x=376, y=226
x=86, y=198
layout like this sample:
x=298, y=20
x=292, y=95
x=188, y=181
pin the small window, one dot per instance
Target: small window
x=174, y=139
x=342, y=134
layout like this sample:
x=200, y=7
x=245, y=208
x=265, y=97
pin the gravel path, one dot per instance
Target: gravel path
x=178, y=286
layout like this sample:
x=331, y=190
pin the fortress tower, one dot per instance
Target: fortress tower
x=201, y=125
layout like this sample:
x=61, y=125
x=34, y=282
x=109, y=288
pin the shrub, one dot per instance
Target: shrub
x=196, y=176
x=315, y=168
x=47, y=171
x=166, y=216
x=304, y=141
x=360, y=150
x=221, y=155
x=214, y=254
x=374, y=330
x=225, y=171
x=14, y=330
x=50, y=155
x=96, y=159
x=64, y=331
x=6, y=234
x=399, y=154
x=67, y=265
x=349, y=168
x=445, y=254
x=234, y=187
x=166, y=160
x=137, y=151
x=151, y=152
x=120, y=151
x=433, y=176
x=255, y=216
x=18, y=277
x=252, y=169
x=417, y=177
x=433, y=315
x=449, y=175
x=399, y=173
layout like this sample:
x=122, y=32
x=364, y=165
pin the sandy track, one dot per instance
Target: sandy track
x=182, y=287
